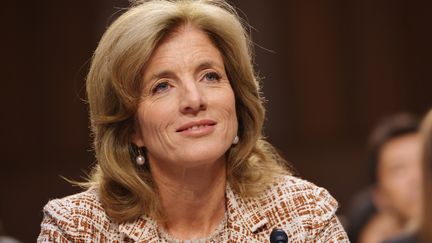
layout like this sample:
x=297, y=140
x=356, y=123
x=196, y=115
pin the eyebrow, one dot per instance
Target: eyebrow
x=201, y=66
x=162, y=74
x=208, y=64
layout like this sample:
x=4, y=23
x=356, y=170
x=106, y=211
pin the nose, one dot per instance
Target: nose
x=192, y=99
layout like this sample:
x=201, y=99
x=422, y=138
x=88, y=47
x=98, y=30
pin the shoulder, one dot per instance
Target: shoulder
x=75, y=217
x=298, y=193
x=75, y=203
x=294, y=203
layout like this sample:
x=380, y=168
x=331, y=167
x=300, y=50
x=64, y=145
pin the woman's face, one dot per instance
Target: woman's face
x=187, y=115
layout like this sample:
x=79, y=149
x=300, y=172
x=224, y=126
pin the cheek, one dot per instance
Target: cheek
x=152, y=119
x=227, y=102
x=398, y=188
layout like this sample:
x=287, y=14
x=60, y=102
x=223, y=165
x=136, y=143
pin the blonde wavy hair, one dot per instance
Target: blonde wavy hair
x=113, y=91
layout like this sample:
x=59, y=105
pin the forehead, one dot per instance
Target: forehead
x=185, y=37
x=186, y=45
x=400, y=150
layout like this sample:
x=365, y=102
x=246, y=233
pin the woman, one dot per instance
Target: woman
x=177, y=119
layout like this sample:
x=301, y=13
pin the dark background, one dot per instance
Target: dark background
x=331, y=69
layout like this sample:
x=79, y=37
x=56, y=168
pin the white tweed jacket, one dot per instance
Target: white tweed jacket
x=306, y=213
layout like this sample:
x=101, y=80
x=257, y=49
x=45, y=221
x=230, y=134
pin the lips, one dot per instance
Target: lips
x=196, y=125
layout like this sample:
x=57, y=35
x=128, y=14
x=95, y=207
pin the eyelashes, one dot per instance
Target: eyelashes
x=212, y=76
x=165, y=84
x=161, y=87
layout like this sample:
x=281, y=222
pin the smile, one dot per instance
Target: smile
x=197, y=128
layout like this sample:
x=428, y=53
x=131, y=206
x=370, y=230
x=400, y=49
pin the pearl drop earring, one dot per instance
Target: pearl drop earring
x=140, y=159
x=236, y=140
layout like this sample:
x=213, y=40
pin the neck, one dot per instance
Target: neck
x=192, y=198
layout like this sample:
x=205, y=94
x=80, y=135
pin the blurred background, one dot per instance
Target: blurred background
x=330, y=69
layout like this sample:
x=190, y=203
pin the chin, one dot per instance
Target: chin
x=207, y=159
x=202, y=156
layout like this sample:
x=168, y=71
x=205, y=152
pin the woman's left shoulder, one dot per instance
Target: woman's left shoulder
x=301, y=195
x=298, y=204
x=297, y=187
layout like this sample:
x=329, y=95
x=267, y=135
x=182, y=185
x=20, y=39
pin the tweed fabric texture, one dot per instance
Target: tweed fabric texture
x=306, y=213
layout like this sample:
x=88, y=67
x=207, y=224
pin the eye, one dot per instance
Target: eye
x=212, y=76
x=161, y=87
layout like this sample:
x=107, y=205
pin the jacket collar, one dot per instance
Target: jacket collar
x=243, y=213
x=142, y=229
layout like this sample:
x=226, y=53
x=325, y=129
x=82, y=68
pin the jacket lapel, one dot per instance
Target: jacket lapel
x=246, y=218
x=142, y=229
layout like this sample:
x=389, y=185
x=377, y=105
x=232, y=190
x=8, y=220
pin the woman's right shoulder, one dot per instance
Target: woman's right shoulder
x=74, y=217
x=79, y=204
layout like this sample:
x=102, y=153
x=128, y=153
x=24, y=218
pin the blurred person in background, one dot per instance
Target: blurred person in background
x=4, y=238
x=426, y=132
x=389, y=211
